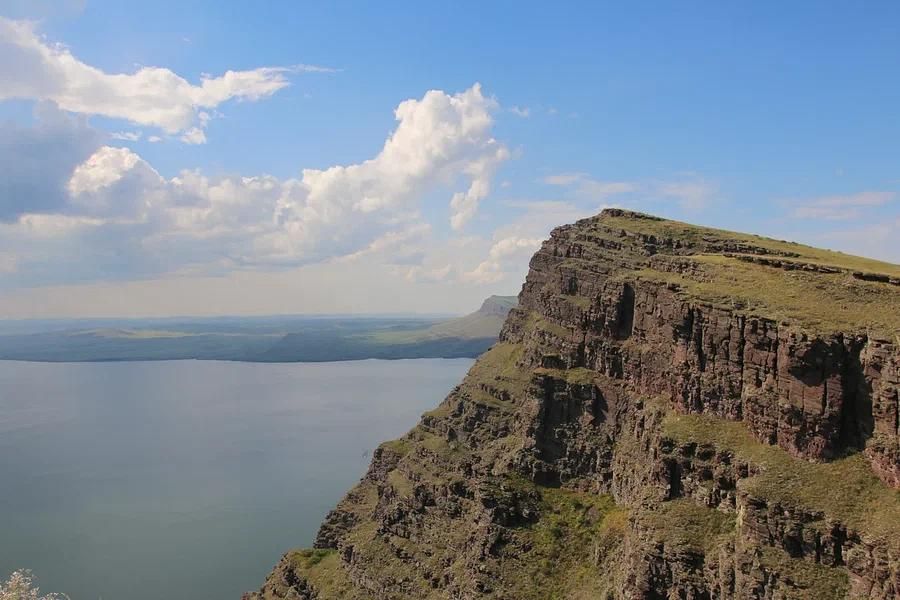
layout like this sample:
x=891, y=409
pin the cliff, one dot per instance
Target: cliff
x=671, y=412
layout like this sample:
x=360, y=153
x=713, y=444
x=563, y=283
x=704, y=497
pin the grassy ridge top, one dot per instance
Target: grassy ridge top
x=700, y=236
x=820, y=290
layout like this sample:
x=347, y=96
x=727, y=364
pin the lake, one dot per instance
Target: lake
x=188, y=479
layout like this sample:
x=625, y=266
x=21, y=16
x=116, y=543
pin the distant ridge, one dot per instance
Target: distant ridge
x=464, y=337
x=260, y=339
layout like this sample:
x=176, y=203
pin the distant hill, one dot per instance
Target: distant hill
x=256, y=339
x=484, y=322
x=467, y=336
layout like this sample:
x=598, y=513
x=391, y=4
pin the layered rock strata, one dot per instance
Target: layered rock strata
x=671, y=412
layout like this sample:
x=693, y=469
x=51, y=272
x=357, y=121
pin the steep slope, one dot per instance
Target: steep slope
x=671, y=412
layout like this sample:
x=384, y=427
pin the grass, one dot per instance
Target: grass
x=308, y=558
x=400, y=447
x=683, y=522
x=560, y=556
x=704, y=235
x=844, y=490
x=816, y=301
x=322, y=568
x=810, y=580
x=497, y=368
x=535, y=320
x=581, y=302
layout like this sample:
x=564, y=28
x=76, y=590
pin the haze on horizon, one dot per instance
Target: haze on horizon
x=161, y=159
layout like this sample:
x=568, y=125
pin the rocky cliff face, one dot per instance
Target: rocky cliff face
x=671, y=412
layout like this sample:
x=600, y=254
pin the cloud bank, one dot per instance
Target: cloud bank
x=107, y=214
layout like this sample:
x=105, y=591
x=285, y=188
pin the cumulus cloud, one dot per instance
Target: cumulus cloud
x=33, y=68
x=841, y=208
x=194, y=135
x=396, y=247
x=422, y=274
x=439, y=139
x=116, y=217
x=513, y=243
x=504, y=251
x=35, y=162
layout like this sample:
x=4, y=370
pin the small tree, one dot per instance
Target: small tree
x=21, y=586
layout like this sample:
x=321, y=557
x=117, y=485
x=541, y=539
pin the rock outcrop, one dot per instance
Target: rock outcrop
x=671, y=412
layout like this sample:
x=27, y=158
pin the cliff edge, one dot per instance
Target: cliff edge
x=671, y=412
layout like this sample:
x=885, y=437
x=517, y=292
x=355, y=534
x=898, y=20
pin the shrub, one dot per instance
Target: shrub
x=21, y=586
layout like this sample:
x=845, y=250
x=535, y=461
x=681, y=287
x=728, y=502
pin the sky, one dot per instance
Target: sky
x=227, y=158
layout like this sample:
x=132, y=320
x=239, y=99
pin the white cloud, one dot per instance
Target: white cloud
x=874, y=239
x=841, y=208
x=399, y=243
x=126, y=136
x=464, y=205
x=438, y=139
x=589, y=187
x=153, y=139
x=120, y=219
x=563, y=178
x=37, y=161
x=502, y=252
x=33, y=68
x=102, y=169
x=521, y=111
x=421, y=274
x=194, y=135
x=691, y=193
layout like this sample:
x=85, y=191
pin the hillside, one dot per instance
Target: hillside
x=463, y=337
x=671, y=412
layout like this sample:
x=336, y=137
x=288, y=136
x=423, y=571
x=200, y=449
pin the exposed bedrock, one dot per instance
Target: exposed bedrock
x=671, y=412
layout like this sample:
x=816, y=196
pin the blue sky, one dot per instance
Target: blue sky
x=780, y=119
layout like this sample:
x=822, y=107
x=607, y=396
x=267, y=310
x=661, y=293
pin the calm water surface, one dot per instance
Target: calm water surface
x=186, y=479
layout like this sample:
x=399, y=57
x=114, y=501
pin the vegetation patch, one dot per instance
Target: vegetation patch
x=498, y=370
x=708, y=237
x=806, y=579
x=561, y=555
x=820, y=302
x=683, y=522
x=845, y=489
x=580, y=301
x=537, y=321
x=400, y=447
x=323, y=570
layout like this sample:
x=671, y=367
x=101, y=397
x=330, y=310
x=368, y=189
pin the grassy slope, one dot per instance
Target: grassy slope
x=845, y=490
x=821, y=302
x=663, y=228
